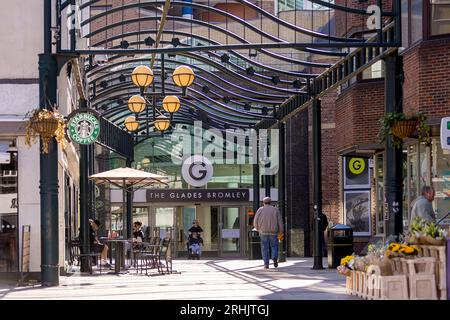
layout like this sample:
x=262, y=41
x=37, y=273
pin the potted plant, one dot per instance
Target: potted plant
x=397, y=126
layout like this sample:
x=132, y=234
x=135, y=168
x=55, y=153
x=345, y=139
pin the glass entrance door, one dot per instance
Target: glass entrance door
x=230, y=231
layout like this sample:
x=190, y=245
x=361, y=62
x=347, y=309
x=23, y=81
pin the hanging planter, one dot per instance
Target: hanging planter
x=47, y=124
x=404, y=128
x=397, y=126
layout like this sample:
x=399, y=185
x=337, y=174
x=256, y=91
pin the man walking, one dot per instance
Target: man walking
x=269, y=224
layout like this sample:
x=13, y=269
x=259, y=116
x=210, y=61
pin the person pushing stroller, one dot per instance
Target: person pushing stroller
x=195, y=241
x=194, y=246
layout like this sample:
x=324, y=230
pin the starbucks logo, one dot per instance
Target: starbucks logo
x=84, y=128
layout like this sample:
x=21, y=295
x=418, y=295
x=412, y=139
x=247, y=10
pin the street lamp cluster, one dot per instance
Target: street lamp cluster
x=142, y=77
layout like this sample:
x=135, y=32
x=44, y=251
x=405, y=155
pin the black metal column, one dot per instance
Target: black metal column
x=49, y=215
x=256, y=175
x=317, y=172
x=129, y=207
x=91, y=184
x=393, y=184
x=282, y=186
x=84, y=201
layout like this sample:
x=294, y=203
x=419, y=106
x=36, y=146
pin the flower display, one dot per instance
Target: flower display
x=401, y=250
x=346, y=265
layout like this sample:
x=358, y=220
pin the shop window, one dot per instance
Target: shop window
x=439, y=17
x=8, y=207
x=440, y=179
x=379, y=189
x=375, y=71
x=412, y=22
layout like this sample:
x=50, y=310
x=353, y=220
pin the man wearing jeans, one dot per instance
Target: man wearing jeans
x=269, y=224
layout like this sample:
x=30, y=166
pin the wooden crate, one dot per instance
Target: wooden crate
x=393, y=287
x=373, y=287
x=354, y=282
x=399, y=266
x=349, y=283
x=422, y=279
x=361, y=280
x=438, y=252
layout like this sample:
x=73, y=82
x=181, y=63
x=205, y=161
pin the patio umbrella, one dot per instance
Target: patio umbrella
x=128, y=179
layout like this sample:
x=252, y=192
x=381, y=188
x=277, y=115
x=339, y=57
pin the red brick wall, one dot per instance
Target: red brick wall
x=348, y=23
x=358, y=110
x=427, y=79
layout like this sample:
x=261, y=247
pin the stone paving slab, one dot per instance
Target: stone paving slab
x=216, y=279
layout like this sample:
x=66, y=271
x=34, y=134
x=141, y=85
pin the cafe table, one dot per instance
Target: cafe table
x=120, y=252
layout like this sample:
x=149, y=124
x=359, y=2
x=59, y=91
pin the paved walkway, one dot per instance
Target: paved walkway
x=198, y=279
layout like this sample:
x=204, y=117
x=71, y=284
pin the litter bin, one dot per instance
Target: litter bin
x=254, y=242
x=340, y=244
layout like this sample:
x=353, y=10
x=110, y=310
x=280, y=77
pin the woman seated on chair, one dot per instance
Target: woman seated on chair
x=96, y=245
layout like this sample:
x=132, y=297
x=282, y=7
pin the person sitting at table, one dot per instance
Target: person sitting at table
x=96, y=245
x=138, y=234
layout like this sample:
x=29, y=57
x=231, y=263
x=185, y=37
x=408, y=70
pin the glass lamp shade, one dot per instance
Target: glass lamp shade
x=183, y=76
x=131, y=124
x=142, y=76
x=136, y=104
x=145, y=162
x=171, y=104
x=162, y=123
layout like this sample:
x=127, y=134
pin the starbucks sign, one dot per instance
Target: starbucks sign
x=83, y=128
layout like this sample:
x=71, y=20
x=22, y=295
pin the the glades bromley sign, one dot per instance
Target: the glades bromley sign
x=83, y=128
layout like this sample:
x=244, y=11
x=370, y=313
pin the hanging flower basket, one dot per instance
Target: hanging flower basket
x=47, y=124
x=404, y=128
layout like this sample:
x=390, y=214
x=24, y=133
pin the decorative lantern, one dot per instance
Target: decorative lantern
x=171, y=104
x=142, y=76
x=183, y=76
x=131, y=124
x=136, y=104
x=162, y=123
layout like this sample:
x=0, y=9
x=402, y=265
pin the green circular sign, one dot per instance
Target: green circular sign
x=357, y=165
x=83, y=128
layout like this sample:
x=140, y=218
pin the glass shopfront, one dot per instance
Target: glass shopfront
x=8, y=207
x=225, y=228
x=222, y=205
x=428, y=165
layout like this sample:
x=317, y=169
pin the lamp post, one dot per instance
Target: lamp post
x=142, y=77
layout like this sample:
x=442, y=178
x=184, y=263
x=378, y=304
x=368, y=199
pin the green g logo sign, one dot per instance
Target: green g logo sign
x=83, y=128
x=357, y=165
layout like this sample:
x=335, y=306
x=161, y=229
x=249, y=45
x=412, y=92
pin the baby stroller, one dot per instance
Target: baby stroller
x=194, y=248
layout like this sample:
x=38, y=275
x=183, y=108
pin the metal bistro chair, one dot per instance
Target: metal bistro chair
x=165, y=252
x=75, y=255
x=149, y=255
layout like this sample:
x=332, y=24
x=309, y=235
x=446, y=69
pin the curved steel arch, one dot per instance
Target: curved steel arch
x=231, y=113
x=220, y=68
x=240, y=56
x=263, y=12
x=203, y=23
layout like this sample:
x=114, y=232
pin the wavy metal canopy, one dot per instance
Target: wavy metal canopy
x=247, y=58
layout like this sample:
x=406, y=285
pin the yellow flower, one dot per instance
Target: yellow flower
x=409, y=250
x=395, y=247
